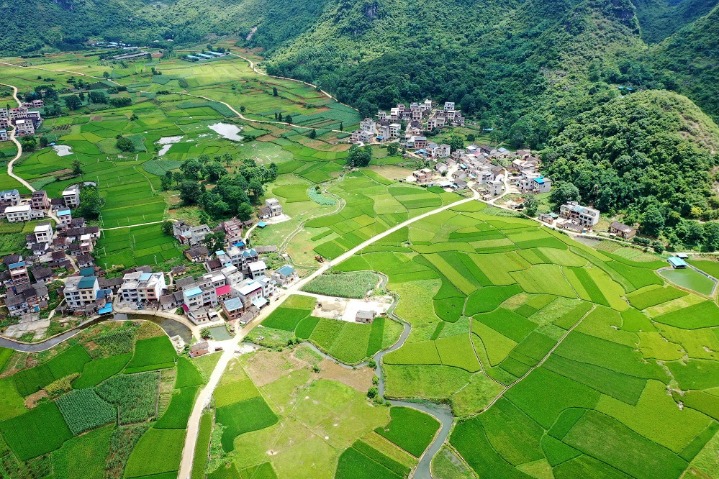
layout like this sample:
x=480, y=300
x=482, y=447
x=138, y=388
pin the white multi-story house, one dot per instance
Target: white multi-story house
x=81, y=291
x=577, y=213
x=257, y=269
x=18, y=213
x=274, y=206
x=43, y=233
x=9, y=198
x=139, y=287
x=71, y=196
x=24, y=127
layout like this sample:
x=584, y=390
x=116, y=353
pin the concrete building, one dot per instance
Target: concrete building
x=257, y=269
x=18, y=213
x=139, y=287
x=81, y=291
x=71, y=196
x=39, y=200
x=24, y=127
x=43, y=233
x=579, y=214
x=65, y=217
x=274, y=206
x=9, y=198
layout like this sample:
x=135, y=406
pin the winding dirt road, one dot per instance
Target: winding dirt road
x=230, y=346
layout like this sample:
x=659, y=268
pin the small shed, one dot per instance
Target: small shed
x=677, y=263
x=364, y=316
x=199, y=349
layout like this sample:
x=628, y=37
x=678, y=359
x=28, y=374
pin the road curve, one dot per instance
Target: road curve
x=229, y=346
x=17, y=144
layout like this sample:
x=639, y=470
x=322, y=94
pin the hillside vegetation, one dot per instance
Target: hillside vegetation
x=649, y=147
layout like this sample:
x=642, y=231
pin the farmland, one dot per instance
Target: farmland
x=302, y=405
x=83, y=411
x=130, y=183
x=543, y=330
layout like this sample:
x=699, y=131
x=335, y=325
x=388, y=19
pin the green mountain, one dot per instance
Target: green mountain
x=661, y=18
x=652, y=147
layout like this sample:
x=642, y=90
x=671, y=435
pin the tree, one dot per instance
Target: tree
x=191, y=169
x=530, y=206
x=274, y=91
x=313, y=134
x=288, y=119
x=166, y=182
x=279, y=116
x=242, y=109
x=91, y=203
x=214, y=171
x=563, y=193
x=392, y=149
x=359, y=157
x=81, y=95
x=43, y=142
x=190, y=192
x=76, y=168
x=215, y=241
x=244, y=212
x=167, y=228
x=105, y=74
x=73, y=102
x=125, y=144
x=28, y=143
x=255, y=190
x=711, y=236
x=456, y=143
x=177, y=177
x=652, y=221
x=97, y=97
x=342, y=126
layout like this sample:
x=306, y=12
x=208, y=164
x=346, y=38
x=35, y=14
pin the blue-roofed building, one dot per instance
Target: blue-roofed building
x=107, y=309
x=81, y=292
x=285, y=274
x=18, y=273
x=65, y=217
x=677, y=263
x=233, y=308
x=87, y=272
x=261, y=224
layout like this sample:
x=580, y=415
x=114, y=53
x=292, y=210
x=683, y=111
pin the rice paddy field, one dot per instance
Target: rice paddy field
x=98, y=407
x=559, y=360
x=295, y=415
x=181, y=103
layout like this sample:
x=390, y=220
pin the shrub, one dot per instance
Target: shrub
x=135, y=395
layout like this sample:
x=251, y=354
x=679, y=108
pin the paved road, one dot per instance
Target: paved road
x=230, y=346
x=11, y=164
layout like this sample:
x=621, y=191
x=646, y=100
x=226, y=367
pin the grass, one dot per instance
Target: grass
x=651, y=297
x=410, y=429
x=83, y=456
x=346, y=285
x=98, y=370
x=12, y=402
x=700, y=315
x=37, y=432
x=362, y=461
x=241, y=417
x=70, y=361
x=179, y=411
x=83, y=410
x=201, y=458
x=145, y=460
x=151, y=354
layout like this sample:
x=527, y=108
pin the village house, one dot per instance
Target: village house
x=364, y=316
x=18, y=272
x=24, y=127
x=71, y=196
x=285, y=275
x=535, y=184
x=620, y=229
x=257, y=269
x=9, y=198
x=233, y=308
x=275, y=208
x=39, y=200
x=65, y=217
x=422, y=176
x=196, y=254
x=139, y=287
x=3, y=134
x=581, y=215
x=190, y=235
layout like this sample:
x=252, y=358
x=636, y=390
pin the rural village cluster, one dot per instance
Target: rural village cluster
x=60, y=275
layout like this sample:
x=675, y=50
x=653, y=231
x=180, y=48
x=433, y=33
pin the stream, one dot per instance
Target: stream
x=440, y=412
